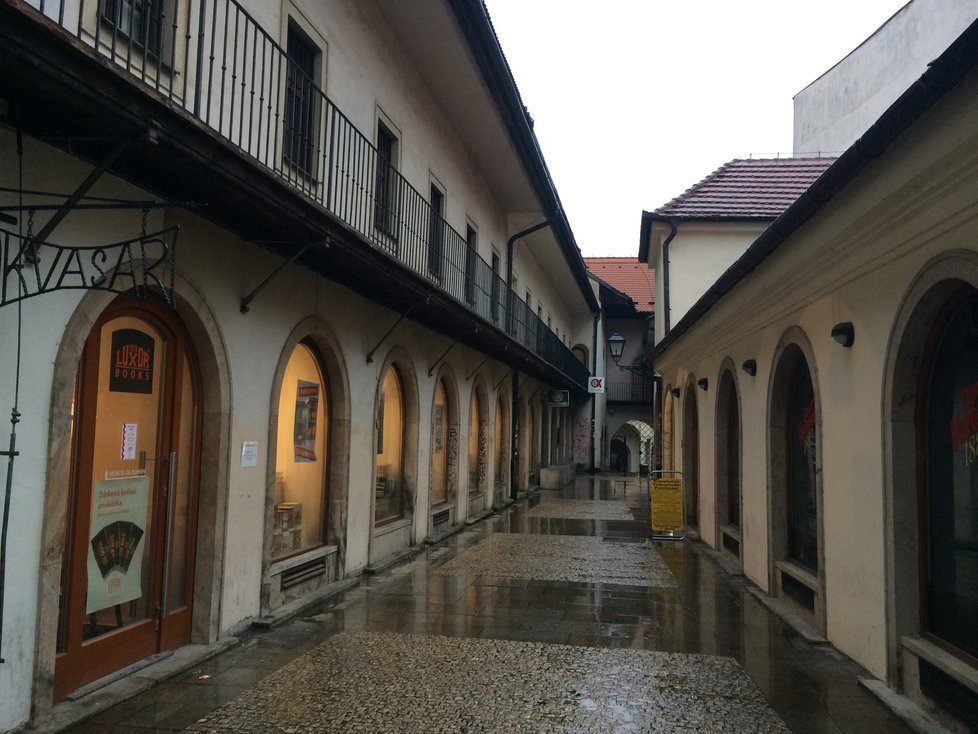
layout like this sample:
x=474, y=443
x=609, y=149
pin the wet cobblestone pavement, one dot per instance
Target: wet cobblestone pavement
x=530, y=621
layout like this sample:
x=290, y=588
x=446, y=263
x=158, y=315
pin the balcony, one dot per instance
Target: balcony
x=634, y=390
x=211, y=60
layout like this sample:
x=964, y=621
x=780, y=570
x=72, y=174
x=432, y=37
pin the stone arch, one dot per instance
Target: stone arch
x=582, y=353
x=446, y=378
x=502, y=436
x=317, y=332
x=802, y=584
x=400, y=360
x=211, y=356
x=937, y=283
x=478, y=446
x=691, y=453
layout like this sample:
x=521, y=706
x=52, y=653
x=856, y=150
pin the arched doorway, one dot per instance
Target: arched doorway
x=620, y=457
x=389, y=495
x=128, y=570
x=502, y=456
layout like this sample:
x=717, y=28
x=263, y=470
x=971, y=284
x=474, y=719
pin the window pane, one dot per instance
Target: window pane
x=802, y=511
x=439, y=447
x=300, y=461
x=952, y=487
x=390, y=442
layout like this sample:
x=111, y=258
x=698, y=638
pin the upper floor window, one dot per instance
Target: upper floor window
x=142, y=21
x=386, y=184
x=471, y=257
x=299, y=142
x=496, y=287
x=436, y=231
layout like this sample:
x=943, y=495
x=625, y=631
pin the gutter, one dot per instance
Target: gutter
x=943, y=74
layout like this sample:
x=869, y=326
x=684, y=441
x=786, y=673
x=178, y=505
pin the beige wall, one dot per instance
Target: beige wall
x=855, y=262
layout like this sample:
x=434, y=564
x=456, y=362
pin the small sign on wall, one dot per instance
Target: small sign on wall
x=595, y=385
x=558, y=398
x=249, y=454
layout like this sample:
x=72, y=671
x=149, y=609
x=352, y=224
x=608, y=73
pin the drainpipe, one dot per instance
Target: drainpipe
x=667, y=321
x=514, y=401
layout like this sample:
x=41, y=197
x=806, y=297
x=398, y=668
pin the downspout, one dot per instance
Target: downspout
x=514, y=401
x=667, y=321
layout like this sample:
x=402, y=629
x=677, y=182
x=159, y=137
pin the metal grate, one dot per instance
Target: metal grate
x=303, y=572
x=441, y=518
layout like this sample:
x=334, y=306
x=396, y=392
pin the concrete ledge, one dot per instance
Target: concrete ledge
x=794, y=621
x=914, y=716
x=287, y=611
x=393, y=560
x=478, y=518
x=447, y=533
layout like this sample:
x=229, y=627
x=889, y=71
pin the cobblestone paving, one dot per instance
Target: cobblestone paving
x=562, y=558
x=373, y=682
x=582, y=510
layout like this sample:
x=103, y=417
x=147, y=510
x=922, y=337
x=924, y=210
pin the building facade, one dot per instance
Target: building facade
x=285, y=287
x=820, y=398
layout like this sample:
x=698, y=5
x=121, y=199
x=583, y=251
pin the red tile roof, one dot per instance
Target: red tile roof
x=751, y=188
x=628, y=275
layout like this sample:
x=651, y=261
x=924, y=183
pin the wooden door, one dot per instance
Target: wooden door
x=129, y=553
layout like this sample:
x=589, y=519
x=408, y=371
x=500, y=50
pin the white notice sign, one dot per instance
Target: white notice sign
x=249, y=454
x=128, y=441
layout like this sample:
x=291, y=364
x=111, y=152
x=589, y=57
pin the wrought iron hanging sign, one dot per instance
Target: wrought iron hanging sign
x=133, y=267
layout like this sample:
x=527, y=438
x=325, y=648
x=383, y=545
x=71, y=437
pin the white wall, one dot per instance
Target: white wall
x=839, y=106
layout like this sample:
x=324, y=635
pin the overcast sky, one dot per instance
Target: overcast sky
x=634, y=101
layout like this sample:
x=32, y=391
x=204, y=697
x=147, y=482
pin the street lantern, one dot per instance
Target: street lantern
x=616, y=344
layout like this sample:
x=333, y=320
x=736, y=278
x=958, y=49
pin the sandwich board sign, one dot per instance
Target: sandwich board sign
x=668, y=514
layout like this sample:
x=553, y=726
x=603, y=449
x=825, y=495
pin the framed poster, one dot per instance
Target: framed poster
x=306, y=412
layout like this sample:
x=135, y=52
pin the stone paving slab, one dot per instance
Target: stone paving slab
x=382, y=682
x=582, y=510
x=585, y=559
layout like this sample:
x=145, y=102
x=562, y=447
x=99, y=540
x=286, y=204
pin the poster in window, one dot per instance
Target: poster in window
x=439, y=428
x=132, y=362
x=115, y=553
x=306, y=410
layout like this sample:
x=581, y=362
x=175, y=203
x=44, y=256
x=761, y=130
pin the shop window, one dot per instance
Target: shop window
x=728, y=463
x=502, y=454
x=800, y=438
x=301, y=102
x=439, y=446
x=691, y=456
x=949, y=439
x=300, y=459
x=478, y=445
x=389, y=474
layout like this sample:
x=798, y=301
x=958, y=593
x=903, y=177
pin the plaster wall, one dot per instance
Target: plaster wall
x=839, y=106
x=853, y=262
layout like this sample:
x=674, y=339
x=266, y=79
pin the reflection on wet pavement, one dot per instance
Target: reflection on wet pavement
x=530, y=621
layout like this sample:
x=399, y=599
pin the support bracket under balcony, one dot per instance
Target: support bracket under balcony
x=246, y=301
x=431, y=370
x=472, y=373
x=370, y=354
x=505, y=375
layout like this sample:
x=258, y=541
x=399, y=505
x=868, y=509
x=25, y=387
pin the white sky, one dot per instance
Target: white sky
x=634, y=101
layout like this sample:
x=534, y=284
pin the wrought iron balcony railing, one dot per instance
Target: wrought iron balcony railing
x=213, y=59
x=634, y=390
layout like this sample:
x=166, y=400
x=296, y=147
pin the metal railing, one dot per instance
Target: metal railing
x=634, y=390
x=213, y=59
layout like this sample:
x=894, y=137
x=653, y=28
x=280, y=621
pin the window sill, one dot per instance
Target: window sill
x=279, y=567
x=949, y=664
x=731, y=531
x=799, y=574
x=391, y=525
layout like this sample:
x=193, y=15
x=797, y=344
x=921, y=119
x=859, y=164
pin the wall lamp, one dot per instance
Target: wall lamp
x=703, y=383
x=750, y=367
x=844, y=333
x=616, y=345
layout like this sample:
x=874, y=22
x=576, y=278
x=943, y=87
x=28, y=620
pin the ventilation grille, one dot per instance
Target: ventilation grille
x=303, y=572
x=441, y=518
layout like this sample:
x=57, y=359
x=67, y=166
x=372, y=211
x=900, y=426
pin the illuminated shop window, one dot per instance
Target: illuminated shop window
x=388, y=487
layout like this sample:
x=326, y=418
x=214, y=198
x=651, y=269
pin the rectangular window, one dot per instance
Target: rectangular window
x=299, y=143
x=141, y=21
x=496, y=290
x=436, y=231
x=385, y=201
x=471, y=258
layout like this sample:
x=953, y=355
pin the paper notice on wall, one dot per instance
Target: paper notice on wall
x=128, y=441
x=249, y=454
x=116, y=544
